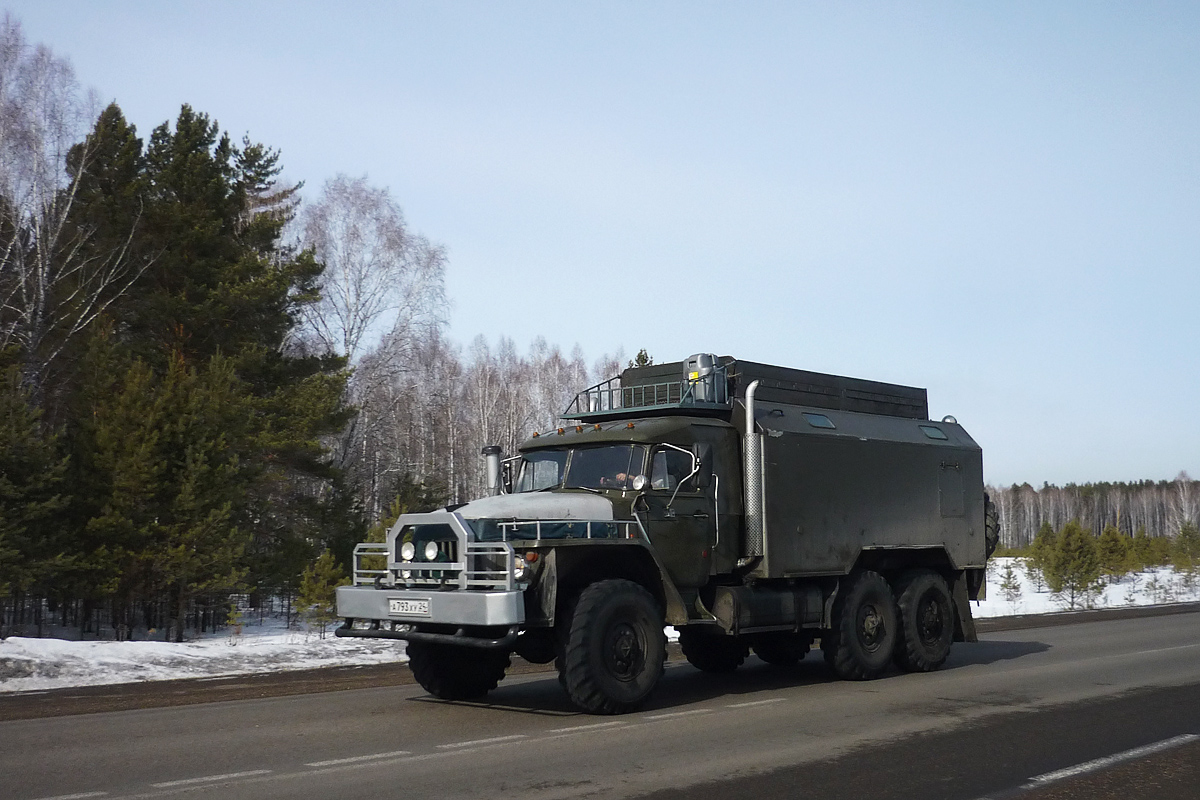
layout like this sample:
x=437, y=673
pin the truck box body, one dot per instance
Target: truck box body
x=866, y=483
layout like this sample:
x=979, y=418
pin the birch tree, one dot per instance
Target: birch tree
x=54, y=281
x=381, y=280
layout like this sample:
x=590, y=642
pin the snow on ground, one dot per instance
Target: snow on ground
x=1156, y=586
x=28, y=664
x=32, y=664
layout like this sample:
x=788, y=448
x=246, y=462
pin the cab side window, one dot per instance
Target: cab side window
x=669, y=469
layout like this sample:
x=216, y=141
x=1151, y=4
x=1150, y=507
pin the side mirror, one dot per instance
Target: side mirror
x=702, y=451
x=506, y=476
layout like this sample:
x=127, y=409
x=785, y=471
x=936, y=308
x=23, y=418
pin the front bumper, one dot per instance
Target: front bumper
x=455, y=607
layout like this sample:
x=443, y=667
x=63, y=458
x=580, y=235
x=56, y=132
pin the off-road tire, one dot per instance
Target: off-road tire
x=712, y=652
x=452, y=672
x=615, y=647
x=991, y=525
x=782, y=649
x=926, y=621
x=862, y=641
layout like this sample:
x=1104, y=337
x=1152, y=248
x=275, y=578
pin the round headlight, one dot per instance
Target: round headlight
x=431, y=551
x=519, y=569
x=408, y=551
x=406, y=574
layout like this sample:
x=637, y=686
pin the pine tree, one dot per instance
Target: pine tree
x=1076, y=567
x=1141, y=551
x=642, y=359
x=1114, y=553
x=1010, y=583
x=1160, y=550
x=1042, y=553
x=318, y=591
x=34, y=549
x=1185, y=555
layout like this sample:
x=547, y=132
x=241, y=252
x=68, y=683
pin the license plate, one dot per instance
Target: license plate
x=412, y=608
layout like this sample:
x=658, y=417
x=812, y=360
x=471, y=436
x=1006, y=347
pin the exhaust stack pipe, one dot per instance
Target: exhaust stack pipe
x=491, y=457
x=753, y=480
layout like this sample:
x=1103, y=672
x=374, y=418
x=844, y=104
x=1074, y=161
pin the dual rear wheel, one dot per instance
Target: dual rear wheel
x=876, y=624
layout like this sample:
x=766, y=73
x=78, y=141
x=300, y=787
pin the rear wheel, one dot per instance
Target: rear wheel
x=615, y=647
x=782, y=649
x=863, y=638
x=712, y=652
x=926, y=621
x=456, y=673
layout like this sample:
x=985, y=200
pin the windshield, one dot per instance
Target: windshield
x=612, y=467
x=541, y=470
x=606, y=467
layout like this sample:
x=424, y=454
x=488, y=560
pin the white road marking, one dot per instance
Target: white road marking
x=493, y=740
x=79, y=796
x=1107, y=761
x=355, y=759
x=211, y=778
x=674, y=714
x=756, y=703
x=1168, y=649
x=593, y=726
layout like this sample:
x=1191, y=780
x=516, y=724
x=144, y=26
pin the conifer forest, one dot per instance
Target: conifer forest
x=214, y=382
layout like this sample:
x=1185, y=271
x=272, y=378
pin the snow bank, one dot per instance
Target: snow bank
x=1153, y=587
x=31, y=664
x=37, y=664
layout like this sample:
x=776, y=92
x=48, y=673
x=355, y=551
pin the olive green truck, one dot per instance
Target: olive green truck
x=752, y=507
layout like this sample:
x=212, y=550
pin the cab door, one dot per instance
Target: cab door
x=682, y=529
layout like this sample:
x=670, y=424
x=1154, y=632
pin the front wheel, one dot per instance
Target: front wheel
x=452, y=672
x=615, y=647
x=863, y=638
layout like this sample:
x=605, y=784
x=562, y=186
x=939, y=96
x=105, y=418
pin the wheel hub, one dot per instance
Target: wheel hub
x=872, y=627
x=624, y=654
x=930, y=621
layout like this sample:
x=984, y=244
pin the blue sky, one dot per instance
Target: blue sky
x=997, y=201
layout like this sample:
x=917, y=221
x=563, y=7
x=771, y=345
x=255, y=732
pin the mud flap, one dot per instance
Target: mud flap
x=964, y=623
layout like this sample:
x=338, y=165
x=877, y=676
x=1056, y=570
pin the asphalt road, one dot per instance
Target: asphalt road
x=1099, y=709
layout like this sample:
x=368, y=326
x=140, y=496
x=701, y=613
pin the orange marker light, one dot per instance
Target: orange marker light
x=630, y=425
x=531, y=557
x=561, y=431
x=579, y=429
x=596, y=426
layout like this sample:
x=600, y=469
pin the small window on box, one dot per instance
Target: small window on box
x=933, y=433
x=818, y=420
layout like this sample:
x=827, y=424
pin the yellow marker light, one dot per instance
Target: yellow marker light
x=596, y=426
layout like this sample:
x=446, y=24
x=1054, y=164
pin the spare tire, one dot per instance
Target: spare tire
x=991, y=525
